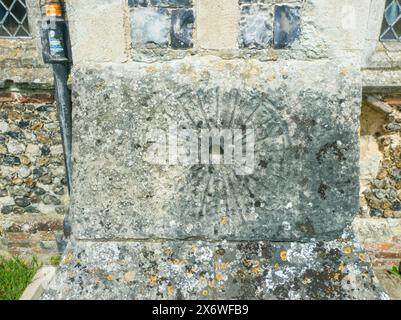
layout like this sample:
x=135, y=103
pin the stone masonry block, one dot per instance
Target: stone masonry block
x=137, y=3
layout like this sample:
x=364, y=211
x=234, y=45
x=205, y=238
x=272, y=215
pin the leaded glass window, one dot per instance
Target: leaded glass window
x=13, y=19
x=391, y=28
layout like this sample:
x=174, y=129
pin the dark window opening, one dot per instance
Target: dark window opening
x=391, y=27
x=13, y=19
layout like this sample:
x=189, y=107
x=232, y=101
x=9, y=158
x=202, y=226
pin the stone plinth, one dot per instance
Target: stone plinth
x=152, y=218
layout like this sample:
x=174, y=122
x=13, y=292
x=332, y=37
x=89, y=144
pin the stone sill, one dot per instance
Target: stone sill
x=39, y=284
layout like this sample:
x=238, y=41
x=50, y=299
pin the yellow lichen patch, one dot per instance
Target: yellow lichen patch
x=221, y=266
x=256, y=267
x=152, y=278
x=68, y=257
x=276, y=265
x=220, y=66
x=341, y=267
x=307, y=280
x=336, y=276
x=194, y=248
x=168, y=251
x=99, y=85
x=129, y=277
x=151, y=69
x=344, y=72
x=284, y=255
x=109, y=277
x=219, y=277
x=347, y=250
x=224, y=220
x=362, y=257
x=270, y=77
x=248, y=263
x=185, y=69
x=205, y=293
x=179, y=262
x=211, y=284
x=250, y=71
x=170, y=290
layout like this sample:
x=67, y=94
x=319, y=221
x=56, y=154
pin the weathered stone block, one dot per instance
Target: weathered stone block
x=256, y=26
x=150, y=27
x=302, y=182
x=217, y=25
x=182, y=28
x=287, y=29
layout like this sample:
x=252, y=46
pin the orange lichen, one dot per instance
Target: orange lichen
x=170, y=290
x=221, y=266
x=224, y=220
x=219, y=277
x=256, y=268
x=284, y=255
x=152, y=278
x=179, y=262
x=347, y=250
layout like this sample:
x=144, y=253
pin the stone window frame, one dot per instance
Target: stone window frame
x=392, y=26
x=32, y=45
x=28, y=30
x=379, y=53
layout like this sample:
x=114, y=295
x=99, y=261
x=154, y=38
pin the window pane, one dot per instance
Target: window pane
x=13, y=19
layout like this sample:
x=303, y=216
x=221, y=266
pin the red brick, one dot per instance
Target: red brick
x=21, y=97
x=16, y=236
x=388, y=255
x=36, y=98
x=6, y=97
x=20, y=244
x=385, y=263
x=378, y=246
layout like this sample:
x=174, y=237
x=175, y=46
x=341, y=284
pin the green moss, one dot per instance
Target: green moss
x=55, y=260
x=15, y=275
x=395, y=271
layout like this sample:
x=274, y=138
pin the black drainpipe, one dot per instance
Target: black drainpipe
x=57, y=51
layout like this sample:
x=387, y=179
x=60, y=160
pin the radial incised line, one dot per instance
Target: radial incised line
x=221, y=187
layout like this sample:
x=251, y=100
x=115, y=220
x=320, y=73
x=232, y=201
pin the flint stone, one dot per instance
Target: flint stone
x=7, y=209
x=22, y=202
x=150, y=27
x=256, y=26
x=171, y=3
x=305, y=181
x=182, y=28
x=135, y=3
x=287, y=27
